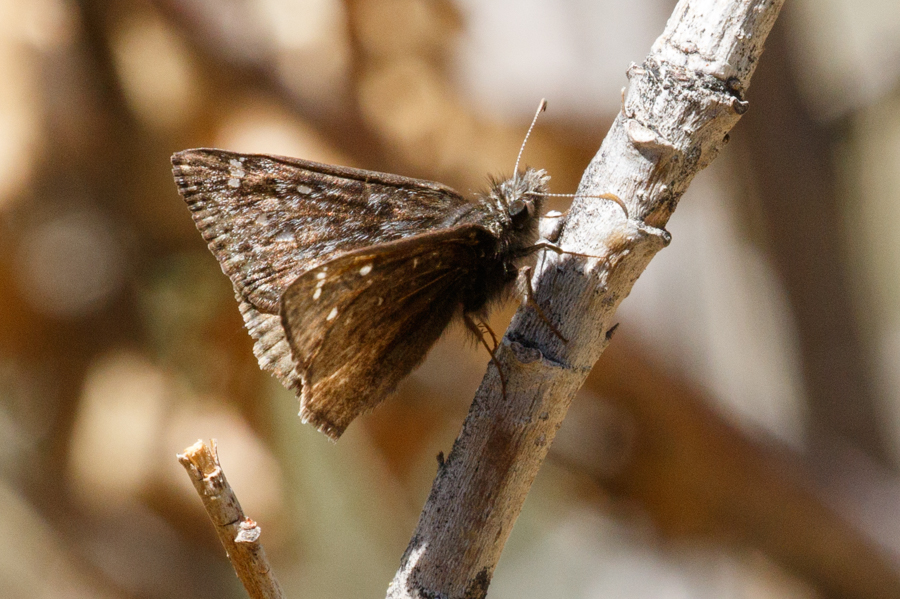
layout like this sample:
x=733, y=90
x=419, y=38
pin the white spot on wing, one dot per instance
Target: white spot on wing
x=318, y=293
x=415, y=262
x=237, y=173
x=305, y=189
x=285, y=236
x=332, y=315
x=365, y=269
x=380, y=300
x=321, y=275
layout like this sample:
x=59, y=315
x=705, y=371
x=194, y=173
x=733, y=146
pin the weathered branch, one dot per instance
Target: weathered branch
x=238, y=534
x=682, y=103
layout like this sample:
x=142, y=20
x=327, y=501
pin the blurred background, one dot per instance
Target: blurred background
x=740, y=438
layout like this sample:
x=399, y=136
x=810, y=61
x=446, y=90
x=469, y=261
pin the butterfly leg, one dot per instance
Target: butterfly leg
x=544, y=245
x=479, y=329
x=525, y=274
x=553, y=234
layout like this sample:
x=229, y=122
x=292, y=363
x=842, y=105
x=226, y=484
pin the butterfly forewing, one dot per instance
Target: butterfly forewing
x=269, y=218
x=360, y=323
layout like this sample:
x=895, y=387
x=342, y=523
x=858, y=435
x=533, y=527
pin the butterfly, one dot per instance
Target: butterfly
x=347, y=277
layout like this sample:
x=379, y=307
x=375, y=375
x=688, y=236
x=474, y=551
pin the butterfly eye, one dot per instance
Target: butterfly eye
x=520, y=212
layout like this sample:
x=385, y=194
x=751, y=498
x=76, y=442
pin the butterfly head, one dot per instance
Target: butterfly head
x=523, y=196
x=516, y=206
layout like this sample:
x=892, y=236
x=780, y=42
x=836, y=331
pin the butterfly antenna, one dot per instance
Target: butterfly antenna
x=541, y=108
x=602, y=196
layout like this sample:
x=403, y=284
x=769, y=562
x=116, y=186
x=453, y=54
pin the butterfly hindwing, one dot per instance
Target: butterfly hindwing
x=268, y=218
x=361, y=322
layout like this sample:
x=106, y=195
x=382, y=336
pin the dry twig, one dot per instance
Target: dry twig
x=238, y=534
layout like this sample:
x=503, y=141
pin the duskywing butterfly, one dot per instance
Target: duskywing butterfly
x=347, y=277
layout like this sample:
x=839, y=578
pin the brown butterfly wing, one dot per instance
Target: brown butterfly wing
x=360, y=323
x=269, y=218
